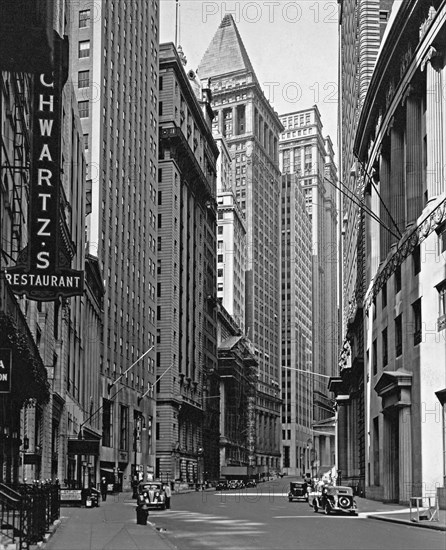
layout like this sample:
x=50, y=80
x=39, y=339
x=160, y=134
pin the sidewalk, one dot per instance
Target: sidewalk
x=397, y=513
x=111, y=526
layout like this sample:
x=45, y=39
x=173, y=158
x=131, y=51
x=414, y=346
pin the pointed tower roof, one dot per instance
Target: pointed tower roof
x=226, y=53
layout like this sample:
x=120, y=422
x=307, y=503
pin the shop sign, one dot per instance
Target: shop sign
x=5, y=370
x=83, y=447
x=43, y=270
x=71, y=494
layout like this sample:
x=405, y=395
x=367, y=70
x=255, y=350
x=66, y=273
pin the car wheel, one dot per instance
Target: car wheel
x=315, y=507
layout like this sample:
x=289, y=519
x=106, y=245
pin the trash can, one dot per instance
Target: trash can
x=142, y=513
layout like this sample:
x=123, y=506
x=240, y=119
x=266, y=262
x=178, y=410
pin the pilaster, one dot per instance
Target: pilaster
x=434, y=129
x=414, y=183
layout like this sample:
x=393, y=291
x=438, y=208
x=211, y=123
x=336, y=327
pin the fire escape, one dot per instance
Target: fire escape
x=15, y=151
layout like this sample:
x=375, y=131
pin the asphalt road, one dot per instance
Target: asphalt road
x=262, y=518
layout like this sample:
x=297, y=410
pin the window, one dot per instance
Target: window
x=123, y=427
x=107, y=423
x=83, y=79
x=160, y=108
x=84, y=48
x=399, y=335
x=441, y=288
x=398, y=279
x=84, y=109
x=416, y=256
x=86, y=136
x=416, y=308
x=385, y=348
x=384, y=296
x=84, y=19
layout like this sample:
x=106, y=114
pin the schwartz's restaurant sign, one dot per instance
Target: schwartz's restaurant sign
x=43, y=269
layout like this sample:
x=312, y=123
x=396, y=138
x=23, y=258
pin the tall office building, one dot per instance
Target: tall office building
x=187, y=423
x=231, y=240
x=307, y=159
x=362, y=25
x=251, y=128
x=297, y=387
x=114, y=64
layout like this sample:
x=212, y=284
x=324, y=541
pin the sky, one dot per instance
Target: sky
x=293, y=47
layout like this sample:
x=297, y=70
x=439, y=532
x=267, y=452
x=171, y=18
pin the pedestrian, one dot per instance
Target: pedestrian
x=104, y=489
x=168, y=493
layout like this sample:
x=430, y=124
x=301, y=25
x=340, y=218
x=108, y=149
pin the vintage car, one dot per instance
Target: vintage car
x=298, y=491
x=152, y=494
x=222, y=485
x=333, y=498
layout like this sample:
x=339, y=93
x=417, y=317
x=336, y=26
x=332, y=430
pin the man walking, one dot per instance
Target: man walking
x=168, y=493
x=104, y=489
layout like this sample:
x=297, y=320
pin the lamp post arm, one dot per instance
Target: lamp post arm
x=154, y=384
x=307, y=372
x=96, y=412
x=131, y=366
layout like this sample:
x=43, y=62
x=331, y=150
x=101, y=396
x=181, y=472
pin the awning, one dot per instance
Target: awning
x=110, y=470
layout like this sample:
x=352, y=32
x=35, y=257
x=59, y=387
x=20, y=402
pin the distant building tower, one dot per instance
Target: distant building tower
x=307, y=154
x=251, y=128
x=296, y=322
x=187, y=424
x=231, y=241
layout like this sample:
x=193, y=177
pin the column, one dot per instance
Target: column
x=220, y=121
x=384, y=176
x=397, y=198
x=414, y=161
x=385, y=465
x=434, y=130
x=405, y=455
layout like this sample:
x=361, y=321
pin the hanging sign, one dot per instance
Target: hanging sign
x=5, y=370
x=43, y=271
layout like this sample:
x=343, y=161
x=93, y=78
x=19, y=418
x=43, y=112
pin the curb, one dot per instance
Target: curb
x=430, y=525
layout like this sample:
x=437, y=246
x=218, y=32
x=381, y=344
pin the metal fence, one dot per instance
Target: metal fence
x=28, y=510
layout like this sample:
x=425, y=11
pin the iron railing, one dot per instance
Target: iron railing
x=27, y=511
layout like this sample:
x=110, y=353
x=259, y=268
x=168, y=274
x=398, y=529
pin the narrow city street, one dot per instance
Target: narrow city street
x=258, y=518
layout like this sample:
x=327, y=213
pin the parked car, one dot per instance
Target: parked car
x=222, y=485
x=152, y=492
x=298, y=491
x=233, y=484
x=333, y=499
x=251, y=483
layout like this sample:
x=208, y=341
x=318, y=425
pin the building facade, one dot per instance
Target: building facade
x=114, y=65
x=237, y=369
x=54, y=334
x=400, y=146
x=362, y=25
x=307, y=159
x=297, y=386
x=231, y=241
x=251, y=128
x=187, y=423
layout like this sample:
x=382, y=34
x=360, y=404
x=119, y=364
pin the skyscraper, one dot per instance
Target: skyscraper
x=307, y=161
x=187, y=424
x=362, y=25
x=251, y=128
x=114, y=63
